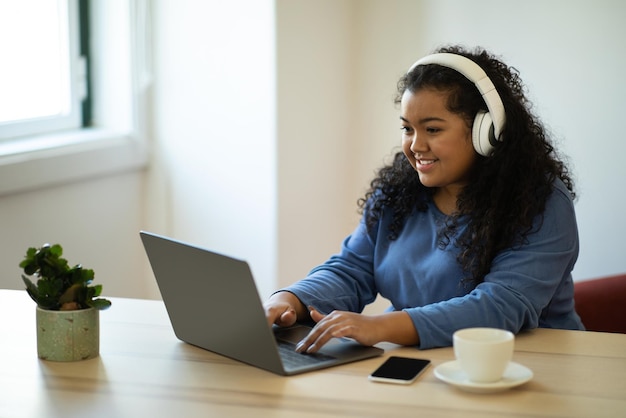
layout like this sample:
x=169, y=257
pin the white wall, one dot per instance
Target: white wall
x=214, y=178
x=263, y=145
x=316, y=162
x=97, y=223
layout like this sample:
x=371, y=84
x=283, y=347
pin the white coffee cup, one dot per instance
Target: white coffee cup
x=483, y=353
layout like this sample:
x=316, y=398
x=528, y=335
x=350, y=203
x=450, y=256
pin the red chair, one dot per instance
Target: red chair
x=601, y=303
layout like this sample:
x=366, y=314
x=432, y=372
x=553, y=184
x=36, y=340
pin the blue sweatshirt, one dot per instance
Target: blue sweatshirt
x=528, y=286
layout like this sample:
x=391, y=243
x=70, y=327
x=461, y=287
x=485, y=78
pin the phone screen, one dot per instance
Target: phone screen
x=399, y=370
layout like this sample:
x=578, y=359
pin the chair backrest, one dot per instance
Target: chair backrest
x=601, y=303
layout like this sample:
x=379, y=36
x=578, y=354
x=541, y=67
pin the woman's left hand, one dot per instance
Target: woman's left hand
x=337, y=324
x=396, y=327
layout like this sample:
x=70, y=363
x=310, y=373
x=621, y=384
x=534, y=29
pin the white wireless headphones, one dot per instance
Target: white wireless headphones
x=487, y=127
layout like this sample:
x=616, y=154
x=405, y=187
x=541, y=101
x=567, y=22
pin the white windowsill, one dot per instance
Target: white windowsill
x=63, y=157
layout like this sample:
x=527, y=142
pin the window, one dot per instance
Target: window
x=43, y=77
x=42, y=137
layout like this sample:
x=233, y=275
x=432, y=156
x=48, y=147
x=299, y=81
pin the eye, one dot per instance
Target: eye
x=433, y=130
x=406, y=129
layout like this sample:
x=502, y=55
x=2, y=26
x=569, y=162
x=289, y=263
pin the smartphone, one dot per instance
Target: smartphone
x=402, y=370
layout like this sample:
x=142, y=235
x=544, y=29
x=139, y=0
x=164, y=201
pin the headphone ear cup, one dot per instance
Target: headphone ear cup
x=483, y=137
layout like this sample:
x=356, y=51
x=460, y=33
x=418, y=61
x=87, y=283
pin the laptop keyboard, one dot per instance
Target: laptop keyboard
x=291, y=358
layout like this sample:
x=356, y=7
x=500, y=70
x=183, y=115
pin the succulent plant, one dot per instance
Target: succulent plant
x=59, y=286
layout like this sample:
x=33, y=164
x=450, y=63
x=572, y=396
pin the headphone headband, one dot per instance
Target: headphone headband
x=474, y=73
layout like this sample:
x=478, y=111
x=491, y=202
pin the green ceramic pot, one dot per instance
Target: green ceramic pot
x=68, y=335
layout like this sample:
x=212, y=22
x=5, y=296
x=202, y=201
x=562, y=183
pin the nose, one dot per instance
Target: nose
x=418, y=144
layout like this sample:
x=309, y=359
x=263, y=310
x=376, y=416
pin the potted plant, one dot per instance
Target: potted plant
x=68, y=322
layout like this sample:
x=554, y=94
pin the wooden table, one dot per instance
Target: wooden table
x=143, y=370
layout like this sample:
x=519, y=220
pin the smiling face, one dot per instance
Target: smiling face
x=437, y=143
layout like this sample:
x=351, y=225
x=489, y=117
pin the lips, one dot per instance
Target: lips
x=424, y=164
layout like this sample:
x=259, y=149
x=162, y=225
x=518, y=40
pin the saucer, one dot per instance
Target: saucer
x=514, y=375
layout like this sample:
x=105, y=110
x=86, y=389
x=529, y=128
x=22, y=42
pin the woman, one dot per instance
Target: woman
x=472, y=224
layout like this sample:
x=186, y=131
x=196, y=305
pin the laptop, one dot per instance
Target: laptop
x=213, y=303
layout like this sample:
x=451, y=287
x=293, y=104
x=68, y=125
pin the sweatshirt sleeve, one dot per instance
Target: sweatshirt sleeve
x=345, y=281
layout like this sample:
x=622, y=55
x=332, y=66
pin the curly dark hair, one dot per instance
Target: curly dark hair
x=507, y=191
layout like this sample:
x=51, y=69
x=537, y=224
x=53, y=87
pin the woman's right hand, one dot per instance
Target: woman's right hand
x=284, y=309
